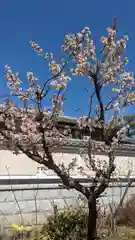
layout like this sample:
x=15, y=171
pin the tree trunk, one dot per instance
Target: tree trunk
x=92, y=219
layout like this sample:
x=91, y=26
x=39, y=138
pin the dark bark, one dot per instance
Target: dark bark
x=92, y=219
x=97, y=90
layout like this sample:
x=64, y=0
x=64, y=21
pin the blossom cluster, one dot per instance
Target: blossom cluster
x=80, y=42
x=36, y=48
x=31, y=78
x=13, y=81
x=57, y=104
x=80, y=49
x=40, y=51
x=60, y=80
x=111, y=65
x=24, y=128
x=14, y=84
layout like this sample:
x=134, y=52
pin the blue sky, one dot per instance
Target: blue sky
x=46, y=22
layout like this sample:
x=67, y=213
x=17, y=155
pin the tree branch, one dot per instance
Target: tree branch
x=67, y=181
x=97, y=90
x=106, y=175
x=90, y=108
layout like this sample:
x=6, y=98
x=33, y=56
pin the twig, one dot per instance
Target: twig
x=124, y=195
x=2, y=213
x=36, y=208
x=15, y=196
x=90, y=108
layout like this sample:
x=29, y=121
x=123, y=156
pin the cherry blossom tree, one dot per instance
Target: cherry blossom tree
x=35, y=132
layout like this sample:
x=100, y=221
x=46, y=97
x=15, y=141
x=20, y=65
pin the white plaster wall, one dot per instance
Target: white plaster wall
x=22, y=165
x=16, y=164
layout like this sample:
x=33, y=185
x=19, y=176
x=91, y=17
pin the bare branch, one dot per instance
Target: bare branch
x=20, y=212
x=106, y=175
x=67, y=181
x=90, y=108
